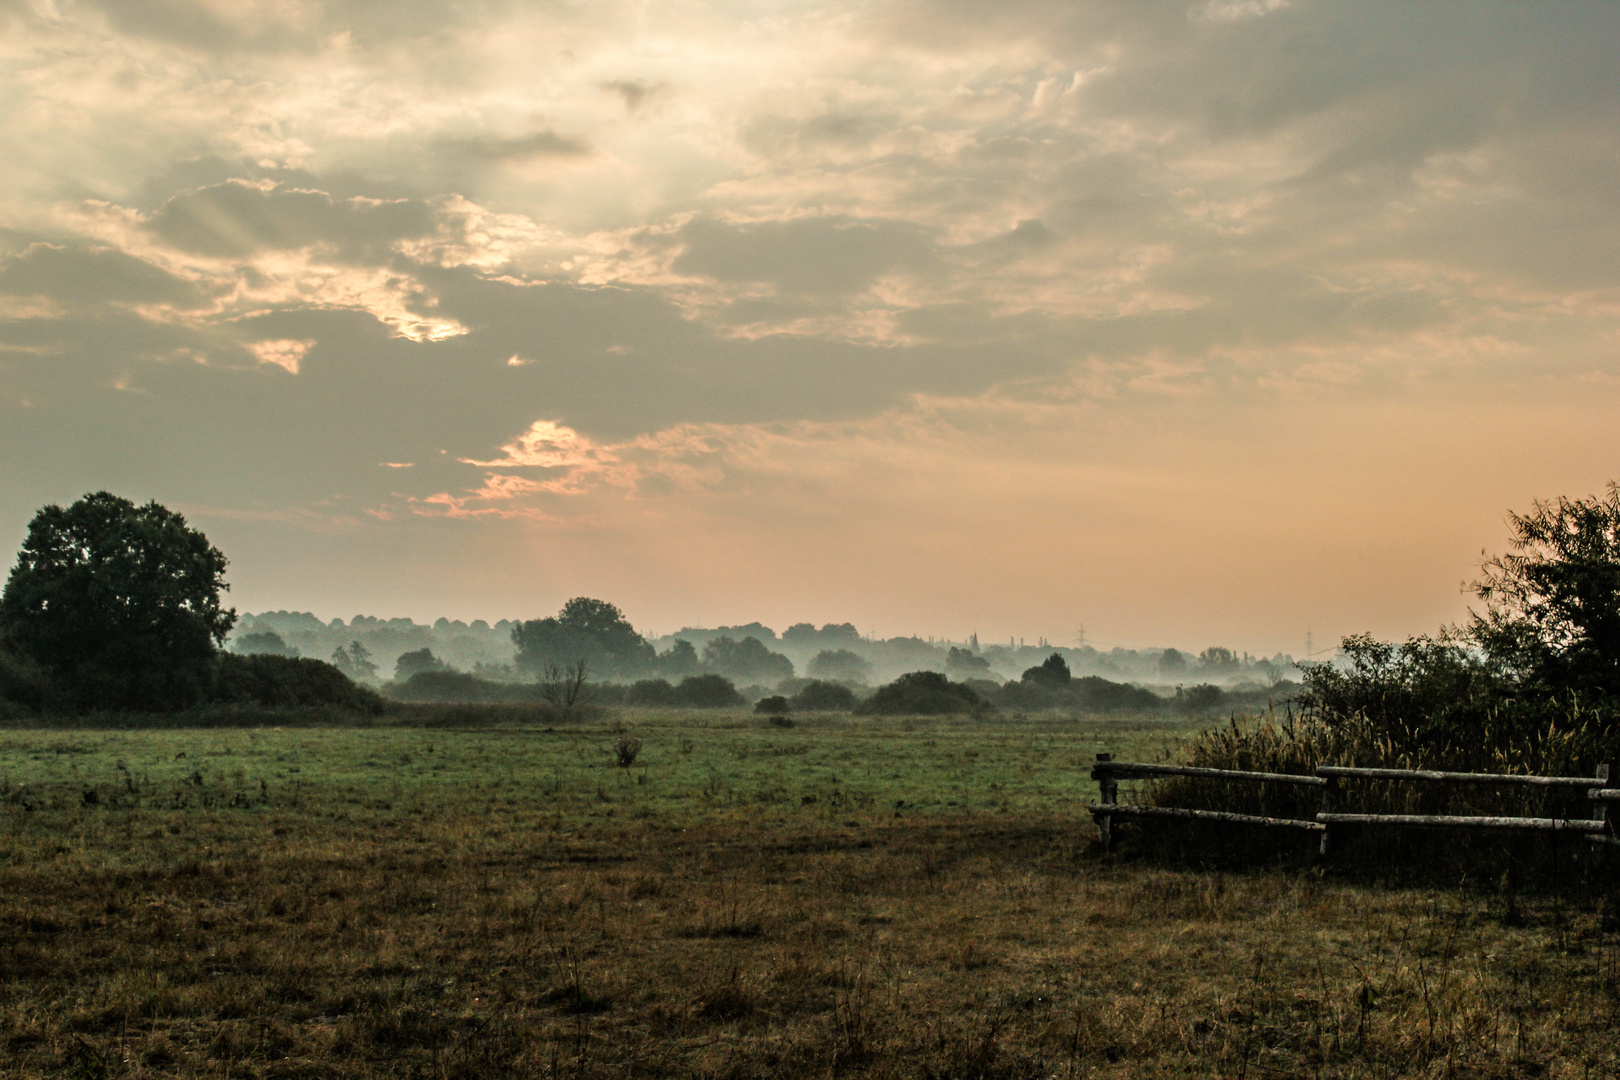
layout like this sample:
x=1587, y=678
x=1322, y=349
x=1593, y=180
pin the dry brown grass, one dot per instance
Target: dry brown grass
x=520, y=944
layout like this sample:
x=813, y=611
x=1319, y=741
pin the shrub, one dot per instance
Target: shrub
x=262, y=641
x=651, y=693
x=1201, y=697
x=822, y=696
x=285, y=682
x=707, y=692
x=625, y=750
x=776, y=703
x=922, y=693
x=458, y=686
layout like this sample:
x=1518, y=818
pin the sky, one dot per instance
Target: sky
x=1184, y=323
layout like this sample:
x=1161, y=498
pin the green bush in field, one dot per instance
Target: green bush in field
x=285, y=682
x=776, y=703
x=459, y=686
x=822, y=696
x=694, y=692
x=708, y=692
x=922, y=693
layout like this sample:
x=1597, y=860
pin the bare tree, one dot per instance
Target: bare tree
x=565, y=687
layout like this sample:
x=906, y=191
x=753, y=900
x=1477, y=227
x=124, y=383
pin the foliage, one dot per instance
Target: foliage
x=1053, y=671
x=679, y=661
x=1552, y=614
x=694, y=691
x=592, y=631
x=354, y=660
x=285, y=682
x=924, y=693
x=821, y=696
x=1087, y=694
x=959, y=661
x=650, y=693
x=262, y=642
x=776, y=703
x=1200, y=698
x=838, y=665
x=417, y=660
x=746, y=660
x=707, y=692
x=1422, y=696
x=459, y=686
x=118, y=604
x=625, y=750
x=831, y=635
x=24, y=686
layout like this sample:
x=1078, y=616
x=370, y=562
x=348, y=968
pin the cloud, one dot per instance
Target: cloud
x=285, y=353
x=822, y=255
x=1132, y=221
x=536, y=145
x=635, y=95
x=90, y=276
x=236, y=219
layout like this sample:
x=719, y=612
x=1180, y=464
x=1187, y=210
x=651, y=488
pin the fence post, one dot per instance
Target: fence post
x=1108, y=787
x=1600, y=810
x=1329, y=789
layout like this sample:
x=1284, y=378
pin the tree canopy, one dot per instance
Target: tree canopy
x=119, y=604
x=594, y=631
x=1552, y=604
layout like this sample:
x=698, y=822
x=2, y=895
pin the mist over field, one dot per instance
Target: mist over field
x=485, y=646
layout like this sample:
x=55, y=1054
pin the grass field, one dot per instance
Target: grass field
x=869, y=897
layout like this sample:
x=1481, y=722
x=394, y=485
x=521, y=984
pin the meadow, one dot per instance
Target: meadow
x=841, y=897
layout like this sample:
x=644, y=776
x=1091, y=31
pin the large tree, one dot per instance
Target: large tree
x=594, y=631
x=1552, y=615
x=118, y=603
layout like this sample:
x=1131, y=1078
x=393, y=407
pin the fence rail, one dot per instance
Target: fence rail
x=1108, y=773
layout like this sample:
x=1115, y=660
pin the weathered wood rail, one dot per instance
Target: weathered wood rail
x=1108, y=773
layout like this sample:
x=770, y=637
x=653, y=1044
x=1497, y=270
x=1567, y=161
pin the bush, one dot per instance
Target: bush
x=650, y=693
x=24, y=686
x=821, y=696
x=285, y=682
x=694, y=692
x=707, y=692
x=776, y=703
x=1200, y=698
x=922, y=693
x=1088, y=694
x=458, y=686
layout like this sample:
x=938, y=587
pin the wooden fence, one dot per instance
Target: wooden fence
x=1108, y=773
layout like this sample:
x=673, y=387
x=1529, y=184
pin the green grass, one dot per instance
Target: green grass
x=693, y=765
x=884, y=899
